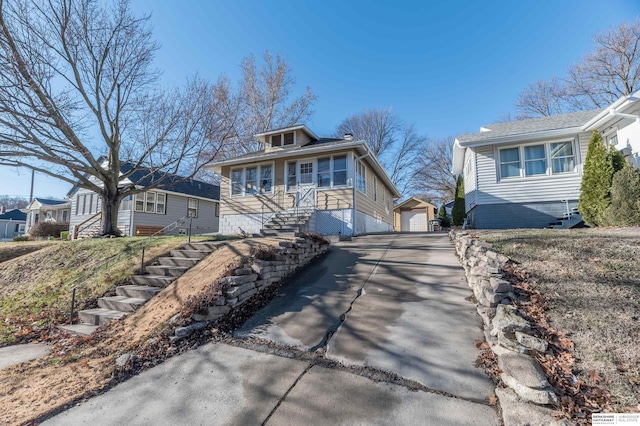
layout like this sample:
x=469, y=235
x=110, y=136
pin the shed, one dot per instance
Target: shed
x=413, y=215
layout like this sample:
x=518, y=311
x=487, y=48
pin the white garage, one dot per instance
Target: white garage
x=414, y=215
x=413, y=221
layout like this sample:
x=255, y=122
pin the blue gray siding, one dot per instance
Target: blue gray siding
x=517, y=215
x=176, y=209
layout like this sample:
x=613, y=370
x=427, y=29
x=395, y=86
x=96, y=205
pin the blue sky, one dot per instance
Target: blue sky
x=448, y=67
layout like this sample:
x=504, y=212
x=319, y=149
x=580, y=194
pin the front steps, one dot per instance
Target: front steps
x=286, y=224
x=568, y=221
x=128, y=298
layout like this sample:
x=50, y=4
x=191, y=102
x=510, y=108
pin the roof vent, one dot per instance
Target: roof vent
x=348, y=136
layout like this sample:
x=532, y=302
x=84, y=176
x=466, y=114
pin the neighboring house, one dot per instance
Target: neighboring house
x=12, y=223
x=45, y=209
x=527, y=174
x=448, y=208
x=414, y=215
x=147, y=212
x=301, y=181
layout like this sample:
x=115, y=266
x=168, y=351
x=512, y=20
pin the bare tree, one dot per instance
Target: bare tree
x=79, y=97
x=395, y=144
x=610, y=71
x=10, y=203
x=261, y=101
x=434, y=179
x=379, y=127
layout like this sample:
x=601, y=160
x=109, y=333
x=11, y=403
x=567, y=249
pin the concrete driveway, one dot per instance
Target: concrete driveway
x=376, y=332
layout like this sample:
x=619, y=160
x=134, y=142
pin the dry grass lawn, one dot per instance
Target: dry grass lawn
x=80, y=367
x=591, y=278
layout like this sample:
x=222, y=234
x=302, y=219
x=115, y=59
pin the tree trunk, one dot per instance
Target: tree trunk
x=110, y=205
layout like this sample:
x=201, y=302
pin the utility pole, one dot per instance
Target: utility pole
x=33, y=174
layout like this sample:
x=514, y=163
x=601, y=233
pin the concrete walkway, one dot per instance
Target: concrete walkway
x=17, y=354
x=376, y=332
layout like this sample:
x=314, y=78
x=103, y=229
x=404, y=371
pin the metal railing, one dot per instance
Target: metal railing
x=128, y=251
x=271, y=205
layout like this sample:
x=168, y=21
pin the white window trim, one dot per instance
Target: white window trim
x=314, y=160
x=295, y=139
x=192, y=208
x=364, y=177
x=155, y=203
x=375, y=188
x=547, y=148
x=258, y=174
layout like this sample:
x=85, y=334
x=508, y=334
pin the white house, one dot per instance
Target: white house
x=527, y=174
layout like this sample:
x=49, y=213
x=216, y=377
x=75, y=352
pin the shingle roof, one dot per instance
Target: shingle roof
x=14, y=214
x=49, y=201
x=312, y=144
x=553, y=122
x=174, y=183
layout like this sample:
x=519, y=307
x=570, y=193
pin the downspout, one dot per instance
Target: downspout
x=355, y=210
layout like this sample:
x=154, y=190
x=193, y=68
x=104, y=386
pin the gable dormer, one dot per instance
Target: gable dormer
x=288, y=137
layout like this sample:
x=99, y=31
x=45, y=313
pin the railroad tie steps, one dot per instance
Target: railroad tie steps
x=128, y=298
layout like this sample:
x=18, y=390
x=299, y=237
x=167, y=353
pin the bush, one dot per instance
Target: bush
x=64, y=235
x=458, y=211
x=444, y=219
x=21, y=238
x=48, y=229
x=599, y=167
x=625, y=198
x=263, y=252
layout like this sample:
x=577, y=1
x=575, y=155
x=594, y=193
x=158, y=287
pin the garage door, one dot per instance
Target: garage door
x=413, y=221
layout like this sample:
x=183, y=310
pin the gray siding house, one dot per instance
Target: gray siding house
x=147, y=212
x=12, y=223
x=527, y=174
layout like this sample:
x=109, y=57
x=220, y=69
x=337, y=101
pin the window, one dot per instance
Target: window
x=306, y=173
x=151, y=202
x=562, y=159
x=65, y=215
x=236, y=182
x=384, y=200
x=252, y=180
x=161, y=201
x=139, y=202
x=535, y=160
x=289, y=139
x=361, y=177
x=291, y=175
x=324, y=172
x=21, y=228
x=509, y=162
x=613, y=140
x=276, y=140
x=125, y=204
x=79, y=201
x=192, y=207
x=266, y=179
x=375, y=188
x=340, y=170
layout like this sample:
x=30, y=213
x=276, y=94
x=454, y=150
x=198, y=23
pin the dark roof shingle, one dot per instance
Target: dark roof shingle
x=174, y=183
x=14, y=214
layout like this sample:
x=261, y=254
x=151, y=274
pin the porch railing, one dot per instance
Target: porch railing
x=86, y=224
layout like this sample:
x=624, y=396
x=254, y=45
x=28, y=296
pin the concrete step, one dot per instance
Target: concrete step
x=178, y=261
x=121, y=303
x=191, y=254
x=167, y=271
x=204, y=245
x=79, y=329
x=100, y=316
x=152, y=280
x=139, y=291
x=286, y=228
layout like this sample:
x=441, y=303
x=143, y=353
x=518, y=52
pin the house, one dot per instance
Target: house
x=300, y=181
x=12, y=223
x=46, y=209
x=148, y=212
x=414, y=215
x=527, y=174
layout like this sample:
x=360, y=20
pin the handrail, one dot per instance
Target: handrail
x=92, y=219
x=141, y=245
x=271, y=200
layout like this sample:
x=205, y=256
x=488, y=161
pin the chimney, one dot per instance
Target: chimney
x=348, y=136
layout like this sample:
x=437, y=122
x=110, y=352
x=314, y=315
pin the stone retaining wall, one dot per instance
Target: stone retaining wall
x=255, y=277
x=507, y=334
